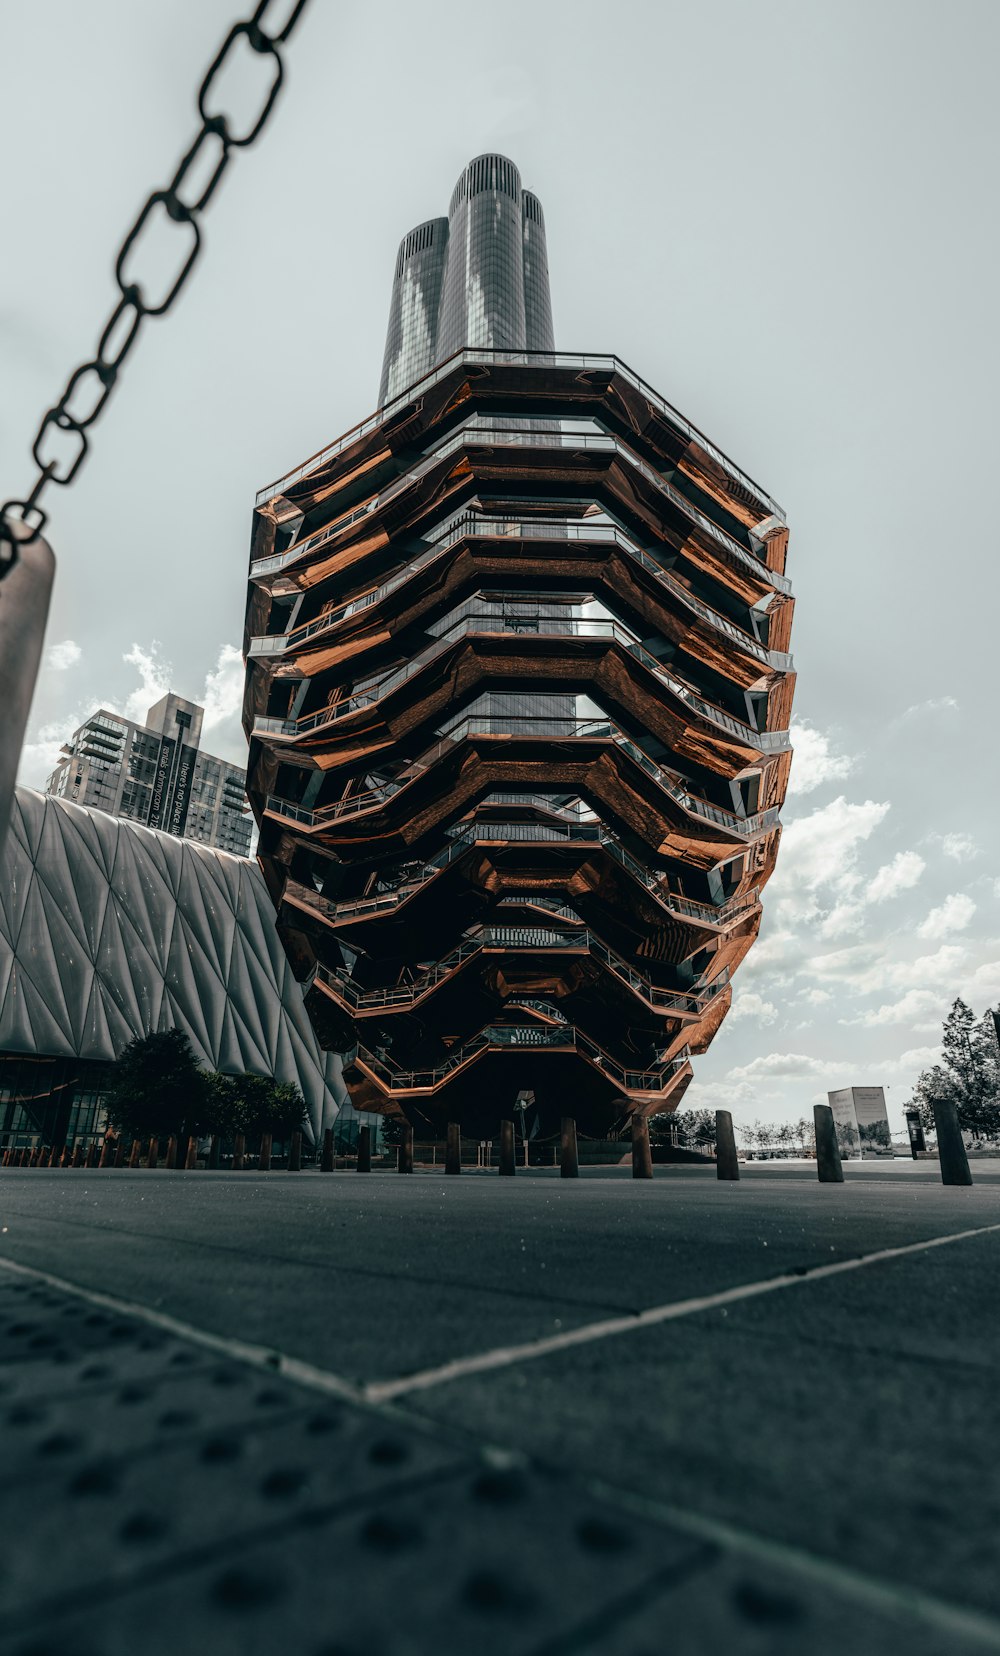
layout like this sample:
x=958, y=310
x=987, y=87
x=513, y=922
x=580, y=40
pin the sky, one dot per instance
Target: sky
x=778, y=212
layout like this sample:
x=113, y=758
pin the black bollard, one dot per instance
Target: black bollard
x=453, y=1150
x=215, y=1151
x=133, y=1159
x=295, y=1153
x=152, y=1153
x=191, y=1154
x=828, y=1168
x=951, y=1146
x=239, y=1152
x=642, y=1156
x=326, y=1159
x=107, y=1151
x=170, y=1159
x=264, y=1159
x=569, y=1160
x=364, y=1150
x=92, y=1154
x=727, y=1165
x=507, y=1165
x=404, y=1161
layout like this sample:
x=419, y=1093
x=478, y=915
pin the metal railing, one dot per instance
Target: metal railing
x=509, y=938
x=470, y=526
x=496, y=833
x=498, y=1037
x=495, y=623
x=372, y=799
x=471, y=435
x=530, y=359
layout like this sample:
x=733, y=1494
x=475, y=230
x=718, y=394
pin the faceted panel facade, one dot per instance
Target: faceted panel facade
x=518, y=695
x=109, y=930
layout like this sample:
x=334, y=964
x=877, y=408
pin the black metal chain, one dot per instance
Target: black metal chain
x=90, y=385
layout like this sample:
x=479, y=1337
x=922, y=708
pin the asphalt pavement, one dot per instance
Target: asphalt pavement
x=336, y=1414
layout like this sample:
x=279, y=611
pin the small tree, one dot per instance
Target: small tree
x=255, y=1104
x=968, y=1075
x=157, y=1088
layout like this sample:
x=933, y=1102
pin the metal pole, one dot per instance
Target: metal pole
x=453, y=1153
x=24, y=608
x=828, y=1166
x=507, y=1165
x=951, y=1146
x=364, y=1150
x=727, y=1165
x=642, y=1156
x=569, y=1160
x=404, y=1162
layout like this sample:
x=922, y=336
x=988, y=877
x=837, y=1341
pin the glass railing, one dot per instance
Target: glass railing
x=485, y=726
x=472, y=435
x=471, y=526
x=488, y=622
x=498, y=1037
x=531, y=359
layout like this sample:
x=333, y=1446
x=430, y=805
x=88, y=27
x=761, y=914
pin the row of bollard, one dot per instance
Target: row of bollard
x=954, y=1162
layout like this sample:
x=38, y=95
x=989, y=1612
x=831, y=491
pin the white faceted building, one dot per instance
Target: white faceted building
x=110, y=930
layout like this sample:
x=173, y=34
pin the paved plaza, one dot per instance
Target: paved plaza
x=378, y=1416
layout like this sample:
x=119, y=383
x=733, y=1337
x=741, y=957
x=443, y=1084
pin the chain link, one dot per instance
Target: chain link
x=89, y=386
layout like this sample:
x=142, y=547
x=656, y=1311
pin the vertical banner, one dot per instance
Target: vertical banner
x=177, y=816
x=845, y=1121
x=158, y=802
x=873, y=1122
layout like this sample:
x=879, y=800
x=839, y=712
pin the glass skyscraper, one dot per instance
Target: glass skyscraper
x=478, y=277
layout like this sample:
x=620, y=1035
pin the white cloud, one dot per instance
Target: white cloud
x=937, y=704
x=748, y=1004
x=154, y=681
x=953, y=915
x=914, y=1008
x=223, y=702
x=60, y=657
x=817, y=869
x=772, y=1065
x=813, y=763
x=816, y=997
x=899, y=875
x=40, y=756
x=960, y=847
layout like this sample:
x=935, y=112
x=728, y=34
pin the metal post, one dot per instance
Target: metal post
x=295, y=1153
x=264, y=1159
x=134, y=1153
x=727, y=1165
x=326, y=1159
x=239, y=1152
x=77, y=1160
x=951, y=1146
x=914, y=1127
x=191, y=1154
x=170, y=1159
x=23, y=613
x=92, y=1154
x=828, y=1167
x=507, y=1164
x=107, y=1150
x=364, y=1150
x=215, y=1151
x=453, y=1152
x=404, y=1163
x=642, y=1156
x=569, y=1161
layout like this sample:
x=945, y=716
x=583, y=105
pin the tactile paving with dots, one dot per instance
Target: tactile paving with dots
x=155, y=1499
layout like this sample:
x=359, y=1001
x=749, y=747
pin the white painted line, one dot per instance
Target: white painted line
x=241, y=1351
x=483, y=1362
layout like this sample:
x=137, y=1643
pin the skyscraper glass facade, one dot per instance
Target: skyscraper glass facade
x=478, y=277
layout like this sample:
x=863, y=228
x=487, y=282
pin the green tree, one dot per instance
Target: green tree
x=254, y=1104
x=157, y=1088
x=968, y=1074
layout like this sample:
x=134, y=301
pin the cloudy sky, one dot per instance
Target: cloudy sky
x=780, y=212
